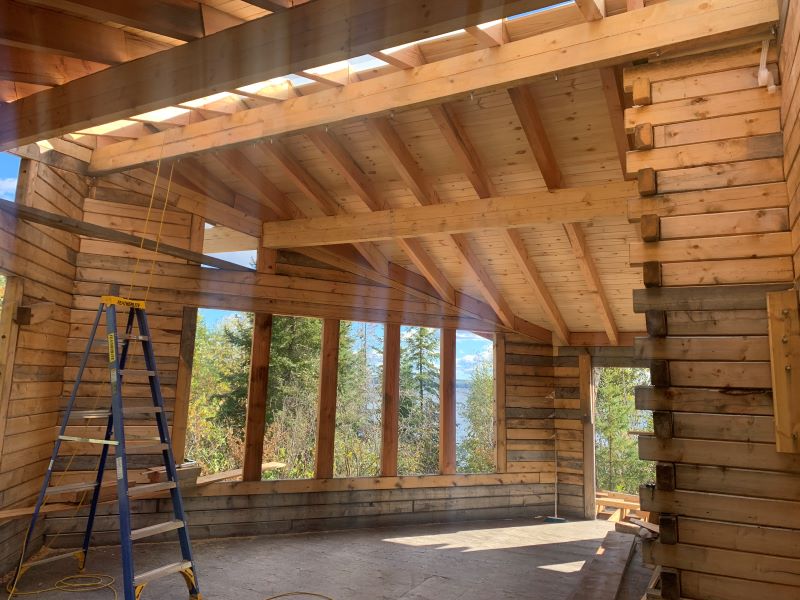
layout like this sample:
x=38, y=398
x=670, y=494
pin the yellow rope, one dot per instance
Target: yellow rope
x=160, y=229
x=89, y=582
x=146, y=223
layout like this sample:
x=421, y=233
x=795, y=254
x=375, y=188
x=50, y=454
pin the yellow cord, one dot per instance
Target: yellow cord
x=88, y=582
x=144, y=233
x=158, y=236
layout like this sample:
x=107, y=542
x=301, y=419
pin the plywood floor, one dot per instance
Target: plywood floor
x=509, y=560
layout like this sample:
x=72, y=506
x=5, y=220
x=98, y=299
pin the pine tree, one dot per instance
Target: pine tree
x=618, y=466
x=419, y=402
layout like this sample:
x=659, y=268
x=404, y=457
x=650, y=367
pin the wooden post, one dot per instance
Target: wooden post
x=447, y=402
x=326, y=418
x=784, y=342
x=9, y=331
x=257, y=391
x=587, y=415
x=391, y=399
x=183, y=383
x=500, y=401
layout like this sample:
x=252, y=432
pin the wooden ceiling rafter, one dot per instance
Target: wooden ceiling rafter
x=489, y=36
x=239, y=56
x=628, y=34
x=400, y=157
x=611, y=81
x=523, y=100
x=364, y=188
x=316, y=192
x=580, y=248
x=459, y=142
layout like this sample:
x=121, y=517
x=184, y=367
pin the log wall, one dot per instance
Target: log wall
x=789, y=62
x=716, y=238
x=41, y=263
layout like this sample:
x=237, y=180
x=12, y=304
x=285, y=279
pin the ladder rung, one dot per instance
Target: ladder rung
x=135, y=338
x=71, y=487
x=150, y=488
x=160, y=572
x=104, y=413
x=50, y=559
x=152, y=530
x=84, y=440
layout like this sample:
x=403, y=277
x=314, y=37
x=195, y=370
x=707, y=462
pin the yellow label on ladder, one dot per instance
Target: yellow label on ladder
x=120, y=301
x=112, y=347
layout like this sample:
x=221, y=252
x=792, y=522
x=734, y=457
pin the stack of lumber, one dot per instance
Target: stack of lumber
x=601, y=577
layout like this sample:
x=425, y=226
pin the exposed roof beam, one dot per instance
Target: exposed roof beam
x=399, y=155
x=497, y=212
x=618, y=38
x=593, y=10
x=316, y=192
x=45, y=30
x=258, y=50
x=39, y=68
x=525, y=107
x=404, y=58
x=461, y=146
x=361, y=184
x=64, y=223
x=581, y=250
x=611, y=80
x=495, y=34
x=274, y=5
x=182, y=21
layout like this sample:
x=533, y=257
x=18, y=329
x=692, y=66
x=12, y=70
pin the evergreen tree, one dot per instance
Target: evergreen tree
x=476, y=451
x=618, y=466
x=419, y=402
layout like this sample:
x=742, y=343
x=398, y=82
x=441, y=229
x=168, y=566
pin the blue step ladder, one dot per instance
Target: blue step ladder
x=115, y=437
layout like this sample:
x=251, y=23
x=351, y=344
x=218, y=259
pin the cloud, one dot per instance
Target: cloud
x=468, y=335
x=8, y=187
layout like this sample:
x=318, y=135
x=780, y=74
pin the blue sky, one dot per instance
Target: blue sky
x=9, y=167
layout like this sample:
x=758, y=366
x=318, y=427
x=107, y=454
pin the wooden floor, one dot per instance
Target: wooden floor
x=509, y=560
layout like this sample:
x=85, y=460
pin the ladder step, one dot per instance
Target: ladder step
x=152, y=530
x=105, y=413
x=150, y=488
x=71, y=487
x=139, y=338
x=51, y=559
x=84, y=440
x=160, y=572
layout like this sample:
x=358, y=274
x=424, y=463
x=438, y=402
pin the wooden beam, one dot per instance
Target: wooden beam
x=26, y=66
x=502, y=212
x=519, y=253
x=64, y=223
x=459, y=143
x=258, y=387
x=405, y=58
x=55, y=32
x=525, y=106
x=587, y=417
x=581, y=250
x=611, y=79
x=423, y=190
x=491, y=36
x=391, y=399
x=500, y=401
x=182, y=21
x=784, y=344
x=183, y=383
x=326, y=419
x=593, y=10
x=9, y=331
x=447, y=402
x=361, y=184
x=257, y=50
x=316, y=192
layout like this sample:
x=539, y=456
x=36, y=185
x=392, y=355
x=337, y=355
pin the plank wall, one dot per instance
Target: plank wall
x=729, y=501
x=41, y=262
x=789, y=62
